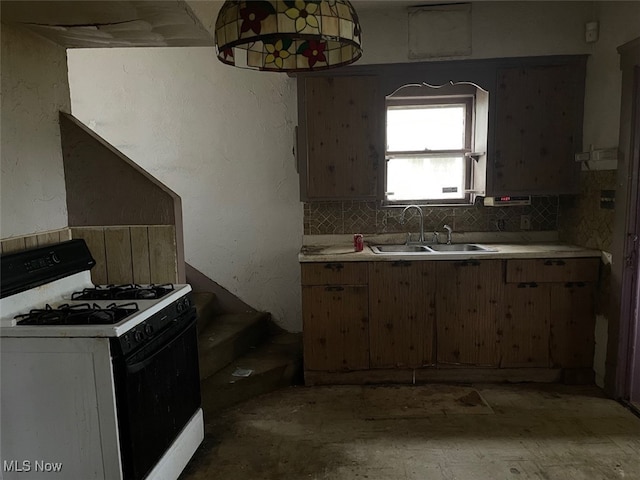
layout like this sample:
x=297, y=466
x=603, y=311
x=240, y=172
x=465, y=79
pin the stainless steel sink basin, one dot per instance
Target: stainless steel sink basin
x=460, y=247
x=429, y=249
x=400, y=249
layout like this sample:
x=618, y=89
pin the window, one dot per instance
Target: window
x=429, y=138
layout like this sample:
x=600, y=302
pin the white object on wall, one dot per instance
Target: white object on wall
x=599, y=159
x=440, y=31
x=591, y=32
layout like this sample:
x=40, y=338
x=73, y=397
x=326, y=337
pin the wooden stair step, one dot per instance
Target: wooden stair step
x=275, y=364
x=206, y=306
x=229, y=336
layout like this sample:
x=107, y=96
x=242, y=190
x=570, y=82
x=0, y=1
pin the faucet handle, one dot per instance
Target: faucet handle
x=434, y=239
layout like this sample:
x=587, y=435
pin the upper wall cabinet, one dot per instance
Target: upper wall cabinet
x=341, y=137
x=538, y=129
x=530, y=110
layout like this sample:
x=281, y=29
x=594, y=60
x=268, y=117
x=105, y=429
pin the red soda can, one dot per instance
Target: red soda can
x=358, y=242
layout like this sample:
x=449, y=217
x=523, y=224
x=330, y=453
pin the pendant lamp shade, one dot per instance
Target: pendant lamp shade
x=288, y=36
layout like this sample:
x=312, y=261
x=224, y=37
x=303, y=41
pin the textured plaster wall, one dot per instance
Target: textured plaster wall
x=222, y=139
x=34, y=89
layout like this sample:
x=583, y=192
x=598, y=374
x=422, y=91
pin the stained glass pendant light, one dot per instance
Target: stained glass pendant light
x=288, y=36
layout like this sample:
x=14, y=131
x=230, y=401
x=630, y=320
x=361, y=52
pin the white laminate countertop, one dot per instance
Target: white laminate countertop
x=345, y=253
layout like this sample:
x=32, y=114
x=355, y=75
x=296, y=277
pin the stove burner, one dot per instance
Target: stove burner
x=80, y=314
x=123, y=292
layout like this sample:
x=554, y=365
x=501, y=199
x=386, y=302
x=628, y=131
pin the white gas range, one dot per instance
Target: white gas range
x=95, y=382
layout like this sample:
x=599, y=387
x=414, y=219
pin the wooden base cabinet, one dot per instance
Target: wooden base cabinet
x=402, y=314
x=572, y=328
x=549, y=318
x=336, y=327
x=469, y=294
x=525, y=326
x=385, y=321
x=335, y=315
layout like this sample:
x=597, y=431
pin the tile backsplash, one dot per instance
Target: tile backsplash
x=583, y=219
x=325, y=218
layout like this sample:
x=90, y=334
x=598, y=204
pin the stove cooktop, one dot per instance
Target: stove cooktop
x=65, y=311
x=123, y=292
x=78, y=314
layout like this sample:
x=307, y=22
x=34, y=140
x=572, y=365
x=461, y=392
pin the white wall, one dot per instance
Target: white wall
x=619, y=24
x=514, y=29
x=498, y=29
x=222, y=139
x=34, y=89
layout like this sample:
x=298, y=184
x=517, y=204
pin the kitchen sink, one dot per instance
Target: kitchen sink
x=460, y=247
x=430, y=249
x=400, y=249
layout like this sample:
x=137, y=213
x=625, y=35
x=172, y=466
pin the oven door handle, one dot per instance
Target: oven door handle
x=136, y=367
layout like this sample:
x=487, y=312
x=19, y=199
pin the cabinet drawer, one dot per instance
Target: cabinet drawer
x=553, y=270
x=334, y=273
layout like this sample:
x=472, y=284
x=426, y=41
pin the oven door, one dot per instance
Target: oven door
x=157, y=392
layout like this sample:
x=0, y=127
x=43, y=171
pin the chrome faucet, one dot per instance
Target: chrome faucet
x=449, y=233
x=402, y=220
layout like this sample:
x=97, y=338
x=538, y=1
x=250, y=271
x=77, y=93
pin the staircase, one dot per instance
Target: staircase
x=242, y=355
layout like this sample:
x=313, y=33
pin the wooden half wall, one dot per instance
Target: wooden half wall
x=123, y=254
x=131, y=254
x=27, y=242
x=106, y=188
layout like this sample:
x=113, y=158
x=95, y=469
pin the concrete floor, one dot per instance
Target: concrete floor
x=431, y=432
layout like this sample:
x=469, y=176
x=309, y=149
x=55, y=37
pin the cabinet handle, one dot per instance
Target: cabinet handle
x=401, y=263
x=469, y=263
x=334, y=289
x=554, y=262
x=334, y=266
x=530, y=285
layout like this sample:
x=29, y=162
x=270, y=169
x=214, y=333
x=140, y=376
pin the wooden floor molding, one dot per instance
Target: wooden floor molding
x=435, y=375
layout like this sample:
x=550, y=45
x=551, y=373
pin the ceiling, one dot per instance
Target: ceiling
x=97, y=24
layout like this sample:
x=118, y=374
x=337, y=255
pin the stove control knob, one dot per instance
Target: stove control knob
x=180, y=306
x=148, y=329
x=138, y=336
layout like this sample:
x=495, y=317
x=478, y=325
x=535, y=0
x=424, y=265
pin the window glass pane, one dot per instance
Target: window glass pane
x=425, y=178
x=425, y=127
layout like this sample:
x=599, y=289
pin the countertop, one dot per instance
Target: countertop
x=345, y=253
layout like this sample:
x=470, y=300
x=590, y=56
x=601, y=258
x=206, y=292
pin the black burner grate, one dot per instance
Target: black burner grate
x=80, y=314
x=124, y=292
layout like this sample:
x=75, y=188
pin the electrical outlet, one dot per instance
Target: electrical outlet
x=525, y=222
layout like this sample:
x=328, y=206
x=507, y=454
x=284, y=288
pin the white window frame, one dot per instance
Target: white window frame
x=464, y=97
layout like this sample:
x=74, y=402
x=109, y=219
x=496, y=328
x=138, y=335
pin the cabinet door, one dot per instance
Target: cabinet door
x=468, y=296
x=525, y=326
x=572, y=341
x=335, y=327
x=343, y=137
x=538, y=129
x=401, y=306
